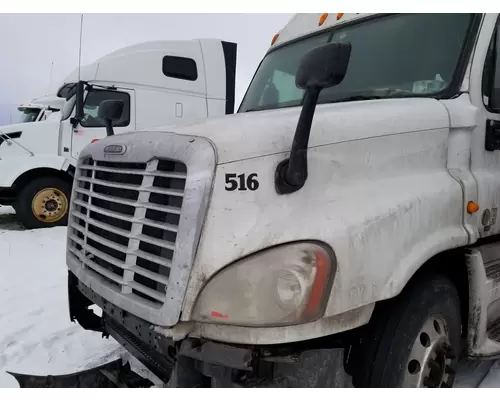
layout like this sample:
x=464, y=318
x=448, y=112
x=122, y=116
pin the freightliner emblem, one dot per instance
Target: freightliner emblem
x=114, y=149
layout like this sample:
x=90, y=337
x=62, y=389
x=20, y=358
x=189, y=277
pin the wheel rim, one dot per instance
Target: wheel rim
x=430, y=364
x=49, y=205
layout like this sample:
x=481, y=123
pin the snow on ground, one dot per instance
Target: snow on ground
x=36, y=335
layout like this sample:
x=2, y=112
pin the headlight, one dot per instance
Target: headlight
x=284, y=285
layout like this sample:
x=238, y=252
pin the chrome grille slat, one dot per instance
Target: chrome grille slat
x=175, y=175
x=106, y=257
x=148, y=292
x=124, y=233
x=102, y=211
x=109, y=183
x=159, y=225
x=106, y=242
x=153, y=258
x=126, y=223
x=142, y=271
x=152, y=206
x=152, y=189
x=103, y=271
x=115, y=278
x=156, y=242
x=169, y=192
x=144, y=221
x=102, y=225
x=148, y=274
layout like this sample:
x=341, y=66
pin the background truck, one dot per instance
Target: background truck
x=159, y=83
x=38, y=109
x=340, y=229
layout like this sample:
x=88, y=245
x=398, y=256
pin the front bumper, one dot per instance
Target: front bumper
x=194, y=362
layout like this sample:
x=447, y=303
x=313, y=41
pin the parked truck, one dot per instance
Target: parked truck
x=159, y=82
x=341, y=229
x=38, y=109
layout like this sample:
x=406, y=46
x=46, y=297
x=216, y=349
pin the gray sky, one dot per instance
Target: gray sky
x=30, y=42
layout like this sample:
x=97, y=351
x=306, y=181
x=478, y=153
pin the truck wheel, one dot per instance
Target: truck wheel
x=414, y=340
x=44, y=203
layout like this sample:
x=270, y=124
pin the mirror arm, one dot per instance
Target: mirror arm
x=109, y=127
x=291, y=173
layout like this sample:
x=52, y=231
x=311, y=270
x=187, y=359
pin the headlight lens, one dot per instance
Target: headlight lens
x=284, y=285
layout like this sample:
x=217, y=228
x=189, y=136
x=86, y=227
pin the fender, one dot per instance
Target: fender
x=12, y=168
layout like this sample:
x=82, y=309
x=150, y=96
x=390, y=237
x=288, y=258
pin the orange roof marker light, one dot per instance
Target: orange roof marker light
x=322, y=19
x=275, y=37
x=339, y=15
x=472, y=207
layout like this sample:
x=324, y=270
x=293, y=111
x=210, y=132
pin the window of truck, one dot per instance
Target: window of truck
x=402, y=55
x=29, y=114
x=91, y=108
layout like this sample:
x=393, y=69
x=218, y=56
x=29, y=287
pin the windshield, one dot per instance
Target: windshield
x=68, y=108
x=398, y=55
x=28, y=114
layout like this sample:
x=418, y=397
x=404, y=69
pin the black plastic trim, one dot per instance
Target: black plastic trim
x=11, y=135
x=230, y=52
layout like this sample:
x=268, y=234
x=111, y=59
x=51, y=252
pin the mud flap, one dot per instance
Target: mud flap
x=110, y=375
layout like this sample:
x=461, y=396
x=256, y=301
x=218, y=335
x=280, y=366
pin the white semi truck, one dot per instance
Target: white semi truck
x=159, y=82
x=340, y=229
x=38, y=109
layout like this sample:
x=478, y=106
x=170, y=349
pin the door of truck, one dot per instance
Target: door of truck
x=92, y=127
x=484, y=89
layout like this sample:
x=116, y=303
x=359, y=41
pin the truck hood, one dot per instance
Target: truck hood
x=256, y=134
x=28, y=126
x=34, y=137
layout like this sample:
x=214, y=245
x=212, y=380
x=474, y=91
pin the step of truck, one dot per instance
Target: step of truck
x=484, y=263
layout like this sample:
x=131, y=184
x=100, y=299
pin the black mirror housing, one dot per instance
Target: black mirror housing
x=324, y=66
x=80, y=89
x=110, y=110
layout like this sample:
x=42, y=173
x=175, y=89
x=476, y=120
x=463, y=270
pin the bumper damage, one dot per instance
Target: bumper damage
x=195, y=362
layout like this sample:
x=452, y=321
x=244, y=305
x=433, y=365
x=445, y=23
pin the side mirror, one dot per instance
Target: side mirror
x=322, y=67
x=110, y=111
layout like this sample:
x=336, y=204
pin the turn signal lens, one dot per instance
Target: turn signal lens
x=339, y=15
x=472, y=207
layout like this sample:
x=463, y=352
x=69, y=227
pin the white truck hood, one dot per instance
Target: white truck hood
x=256, y=134
x=38, y=137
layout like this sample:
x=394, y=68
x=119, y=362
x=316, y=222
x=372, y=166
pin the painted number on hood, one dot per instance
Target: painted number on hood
x=241, y=182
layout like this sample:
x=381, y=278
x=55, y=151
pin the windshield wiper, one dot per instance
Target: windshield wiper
x=357, y=98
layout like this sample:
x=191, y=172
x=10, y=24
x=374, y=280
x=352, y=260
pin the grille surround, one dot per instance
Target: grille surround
x=198, y=155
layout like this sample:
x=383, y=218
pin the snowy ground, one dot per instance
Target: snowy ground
x=36, y=336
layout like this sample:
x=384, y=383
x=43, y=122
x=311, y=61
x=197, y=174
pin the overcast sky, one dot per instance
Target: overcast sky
x=31, y=42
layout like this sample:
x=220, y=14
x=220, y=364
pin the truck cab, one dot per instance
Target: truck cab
x=39, y=109
x=158, y=82
x=340, y=229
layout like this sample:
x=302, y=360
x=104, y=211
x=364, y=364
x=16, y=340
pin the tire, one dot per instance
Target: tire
x=44, y=203
x=413, y=340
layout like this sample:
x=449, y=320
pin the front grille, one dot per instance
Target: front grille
x=124, y=223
